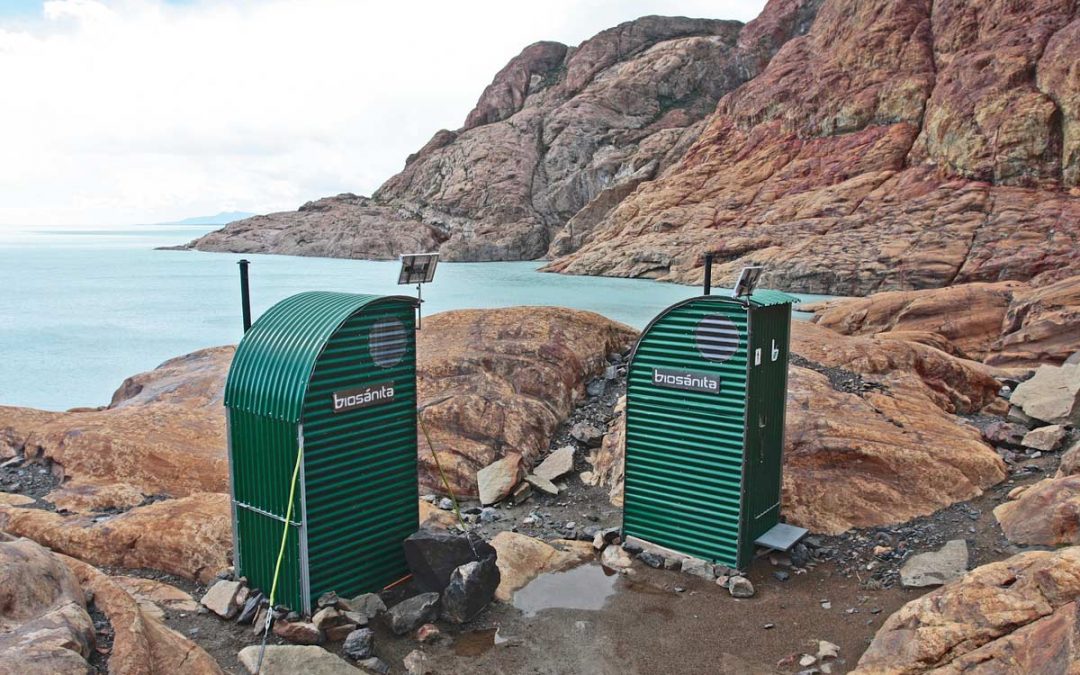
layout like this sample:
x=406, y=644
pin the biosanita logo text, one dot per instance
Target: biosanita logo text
x=362, y=397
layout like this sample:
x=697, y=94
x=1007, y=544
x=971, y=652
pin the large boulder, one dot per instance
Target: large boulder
x=433, y=555
x=1052, y=395
x=189, y=537
x=521, y=558
x=1045, y=514
x=141, y=642
x=1019, y=615
x=292, y=659
x=162, y=433
x=1008, y=323
x=471, y=589
x=44, y=627
x=496, y=382
x=973, y=330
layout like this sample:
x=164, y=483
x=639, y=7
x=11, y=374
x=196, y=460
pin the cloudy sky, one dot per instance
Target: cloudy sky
x=137, y=111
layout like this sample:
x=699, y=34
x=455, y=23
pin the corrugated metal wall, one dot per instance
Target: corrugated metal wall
x=360, y=464
x=261, y=473
x=684, y=449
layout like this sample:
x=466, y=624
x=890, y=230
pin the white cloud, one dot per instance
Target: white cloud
x=143, y=111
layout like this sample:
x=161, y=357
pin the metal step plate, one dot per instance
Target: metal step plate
x=781, y=537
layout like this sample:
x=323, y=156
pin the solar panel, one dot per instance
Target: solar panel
x=417, y=268
x=748, y=279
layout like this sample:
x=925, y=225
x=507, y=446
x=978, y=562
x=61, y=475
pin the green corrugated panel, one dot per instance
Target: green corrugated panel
x=684, y=448
x=262, y=457
x=360, y=465
x=767, y=298
x=274, y=362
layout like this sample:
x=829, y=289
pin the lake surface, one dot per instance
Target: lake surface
x=80, y=310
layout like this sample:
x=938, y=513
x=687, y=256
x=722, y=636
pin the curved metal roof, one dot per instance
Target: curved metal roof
x=274, y=362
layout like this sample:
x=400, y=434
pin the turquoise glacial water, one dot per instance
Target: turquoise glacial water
x=83, y=309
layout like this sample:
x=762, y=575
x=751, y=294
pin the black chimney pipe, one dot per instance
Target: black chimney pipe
x=708, y=274
x=245, y=294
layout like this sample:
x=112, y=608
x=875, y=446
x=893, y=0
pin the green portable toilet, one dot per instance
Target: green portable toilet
x=331, y=375
x=705, y=406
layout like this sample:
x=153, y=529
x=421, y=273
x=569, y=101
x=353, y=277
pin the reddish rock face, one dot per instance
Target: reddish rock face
x=1045, y=514
x=1008, y=324
x=501, y=381
x=1018, y=615
x=43, y=613
x=896, y=145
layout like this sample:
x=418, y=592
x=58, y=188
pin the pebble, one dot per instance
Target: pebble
x=781, y=575
x=446, y=504
x=769, y=626
x=825, y=604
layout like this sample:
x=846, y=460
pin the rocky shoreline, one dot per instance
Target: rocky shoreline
x=920, y=410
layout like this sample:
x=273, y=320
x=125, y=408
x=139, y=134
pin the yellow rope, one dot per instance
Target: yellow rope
x=281, y=555
x=442, y=474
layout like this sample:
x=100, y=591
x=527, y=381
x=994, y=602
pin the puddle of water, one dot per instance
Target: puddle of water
x=585, y=587
x=477, y=642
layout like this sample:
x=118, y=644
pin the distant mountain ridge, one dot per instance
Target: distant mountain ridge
x=851, y=146
x=223, y=218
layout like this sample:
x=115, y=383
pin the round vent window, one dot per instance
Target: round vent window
x=387, y=342
x=717, y=338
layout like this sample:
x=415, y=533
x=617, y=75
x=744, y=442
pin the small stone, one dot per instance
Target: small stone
x=339, y=633
x=521, y=493
x=298, y=632
x=416, y=663
x=446, y=504
x=496, y=480
x=598, y=541
x=489, y=515
x=327, y=617
x=673, y=564
x=882, y=551
x=653, y=560
x=723, y=580
x=359, y=643
x=936, y=567
x=367, y=606
x=615, y=558
x=221, y=598
x=587, y=433
x=680, y=589
x=328, y=599
x=569, y=525
x=769, y=626
x=827, y=650
x=429, y=632
x=825, y=604
x=781, y=575
x=408, y=615
x=1046, y=439
x=807, y=660
x=557, y=464
x=430, y=499
x=251, y=608
x=740, y=587
x=699, y=568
